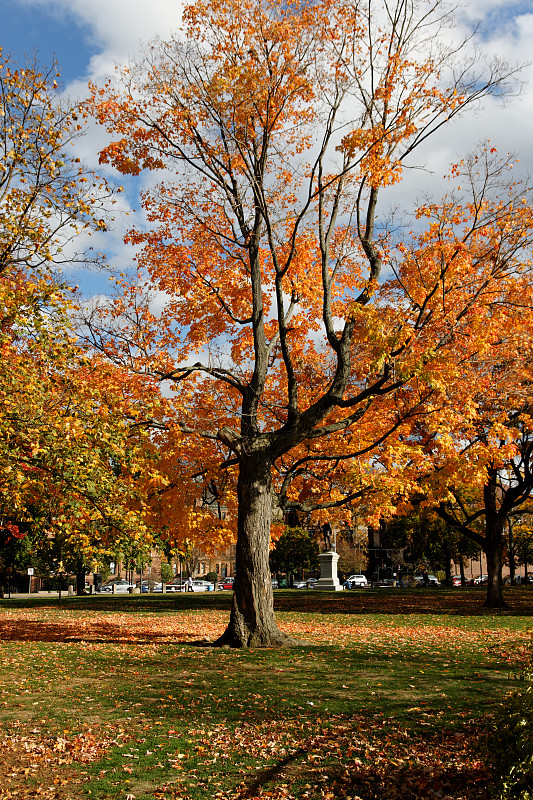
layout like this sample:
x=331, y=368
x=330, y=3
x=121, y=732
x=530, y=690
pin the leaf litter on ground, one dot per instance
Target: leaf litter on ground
x=363, y=713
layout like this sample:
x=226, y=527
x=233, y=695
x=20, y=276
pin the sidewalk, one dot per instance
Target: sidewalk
x=37, y=595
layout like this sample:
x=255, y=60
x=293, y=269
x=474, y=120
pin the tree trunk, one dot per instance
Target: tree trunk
x=511, y=554
x=252, y=622
x=80, y=577
x=494, y=551
x=447, y=565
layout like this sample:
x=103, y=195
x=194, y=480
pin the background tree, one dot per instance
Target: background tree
x=485, y=521
x=523, y=543
x=352, y=548
x=14, y=553
x=70, y=445
x=277, y=126
x=429, y=542
x=476, y=477
x=295, y=551
x=467, y=453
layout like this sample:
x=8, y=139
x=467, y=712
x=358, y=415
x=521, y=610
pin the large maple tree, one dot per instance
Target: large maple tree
x=259, y=291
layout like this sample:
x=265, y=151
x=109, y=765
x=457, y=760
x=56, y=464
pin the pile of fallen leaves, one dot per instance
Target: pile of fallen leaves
x=356, y=760
x=36, y=764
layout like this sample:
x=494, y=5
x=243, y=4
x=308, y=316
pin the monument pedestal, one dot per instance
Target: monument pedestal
x=328, y=581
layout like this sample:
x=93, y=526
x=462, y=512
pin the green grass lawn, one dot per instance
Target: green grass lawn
x=110, y=697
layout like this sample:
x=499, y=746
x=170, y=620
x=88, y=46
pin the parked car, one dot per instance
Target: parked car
x=456, y=580
x=121, y=585
x=299, y=584
x=432, y=580
x=385, y=583
x=177, y=585
x=274, y=583
x=226, y=584
x=311, y=582
x=481, y=579
x=202, y=586
x=354, y=581
x=156, y=587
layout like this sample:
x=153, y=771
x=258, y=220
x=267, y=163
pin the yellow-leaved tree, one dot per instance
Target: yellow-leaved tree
x=71, y=449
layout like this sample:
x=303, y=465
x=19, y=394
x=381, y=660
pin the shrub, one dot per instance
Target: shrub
x=167, y=573
x=511, y=743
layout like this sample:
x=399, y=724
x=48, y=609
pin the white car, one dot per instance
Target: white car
x=202, y=586
x=299, y=585
x=122, y=585
x=154, y=587
x=355, y=580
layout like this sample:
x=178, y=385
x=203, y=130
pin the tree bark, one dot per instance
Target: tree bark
x=447, y=564
x=494, y=553
x=511, y=552
x=493, y=540
x=252, y=622
x=494, y=545
x=80, y=577
x=462, y=570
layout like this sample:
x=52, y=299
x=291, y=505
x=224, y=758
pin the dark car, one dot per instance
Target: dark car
x=431, y=580
x=152, y=586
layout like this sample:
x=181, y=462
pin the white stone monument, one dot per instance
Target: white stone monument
x=328, y=581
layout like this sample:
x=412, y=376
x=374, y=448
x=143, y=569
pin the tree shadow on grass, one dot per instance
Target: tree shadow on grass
x=373, y=761
x=135, y=604
x=94, y=633
x=447, y=602
x=365, y=759
x=393, y=601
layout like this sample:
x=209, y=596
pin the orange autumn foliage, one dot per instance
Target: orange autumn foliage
x=299, y=335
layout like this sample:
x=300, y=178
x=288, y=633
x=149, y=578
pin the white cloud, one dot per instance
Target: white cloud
x=506, y=122
x=116, y=29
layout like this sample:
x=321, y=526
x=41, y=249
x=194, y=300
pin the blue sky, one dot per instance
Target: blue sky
x=87, y=37
x=65, y=36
